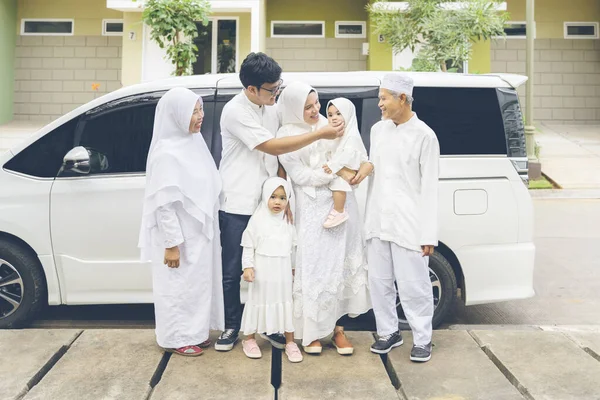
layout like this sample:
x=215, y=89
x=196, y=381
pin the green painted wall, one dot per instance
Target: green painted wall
x=480, y=61
x=88, y=14
x=8, y=37
x=550, y=14
x=316, y=10
x=380, y=54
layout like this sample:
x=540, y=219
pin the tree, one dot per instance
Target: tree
x=444, y=30
x=173, y=24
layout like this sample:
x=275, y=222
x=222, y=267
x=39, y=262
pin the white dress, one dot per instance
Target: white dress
x=268, y=243
x=188, y=301
x=331, y=269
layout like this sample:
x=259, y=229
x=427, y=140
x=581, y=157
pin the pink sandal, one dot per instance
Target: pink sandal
x=251, y=349
x=187, y=351
x=205, y=344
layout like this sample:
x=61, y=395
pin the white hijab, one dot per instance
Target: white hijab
x=267, y=233
x=180, y=168
x=291, y=108
x=351, y=143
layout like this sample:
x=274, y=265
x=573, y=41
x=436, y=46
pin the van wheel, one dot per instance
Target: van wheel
x=443, y=284
x=22, y=285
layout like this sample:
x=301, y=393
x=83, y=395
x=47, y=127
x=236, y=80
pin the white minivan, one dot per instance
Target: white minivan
x=71, y=194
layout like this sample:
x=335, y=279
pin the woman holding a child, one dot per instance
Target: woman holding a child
x=330, y=270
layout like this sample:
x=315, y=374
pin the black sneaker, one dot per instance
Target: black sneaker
x=384, y=344
x=277, y=340
x=421, y=353
x=227, y=340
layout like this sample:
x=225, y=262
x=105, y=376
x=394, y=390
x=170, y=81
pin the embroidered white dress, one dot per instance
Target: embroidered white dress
x=331, y=270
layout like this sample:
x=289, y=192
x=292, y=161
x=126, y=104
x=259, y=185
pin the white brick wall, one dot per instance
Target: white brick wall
x=327, y=54
x=54, y=75
x=566, y=77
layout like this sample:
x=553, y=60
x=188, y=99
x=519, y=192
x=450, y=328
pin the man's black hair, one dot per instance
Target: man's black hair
x=258, y=69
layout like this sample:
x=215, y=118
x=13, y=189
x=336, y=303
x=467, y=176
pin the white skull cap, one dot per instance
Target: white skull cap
x=398, y=82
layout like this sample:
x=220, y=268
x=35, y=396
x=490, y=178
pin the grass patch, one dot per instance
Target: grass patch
x=541, y=183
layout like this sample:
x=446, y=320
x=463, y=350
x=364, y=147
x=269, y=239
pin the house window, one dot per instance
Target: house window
x=298, y=29
x=47, y=27
x=350, y=29
x=112, y=27
x=517, y=30
x=581, y=30
x=217, y=45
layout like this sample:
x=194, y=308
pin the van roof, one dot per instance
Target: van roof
x=332, y=79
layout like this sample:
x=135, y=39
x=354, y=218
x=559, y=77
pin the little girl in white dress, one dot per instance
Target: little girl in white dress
x=268, y=242
x=346, y=152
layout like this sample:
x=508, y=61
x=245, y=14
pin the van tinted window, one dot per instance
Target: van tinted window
x=121, y=136
x=467, y=121
x=120, y=132
x=43, y=158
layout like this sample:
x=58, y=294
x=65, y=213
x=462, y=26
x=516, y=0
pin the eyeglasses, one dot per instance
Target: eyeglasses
x=275, y=90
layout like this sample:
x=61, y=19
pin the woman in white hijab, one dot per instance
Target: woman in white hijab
x=180, y=228
x=331, y=271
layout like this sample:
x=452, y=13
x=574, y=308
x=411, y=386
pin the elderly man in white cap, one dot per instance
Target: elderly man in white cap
x=401, y=218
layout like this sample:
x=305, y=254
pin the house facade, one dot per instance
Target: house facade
x=58, y=54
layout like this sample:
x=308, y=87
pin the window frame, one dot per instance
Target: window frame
x=273, y=35
x=25, y=20
x=566, y=25
x=112, y=21
x=521, y=37
x=214, y=42
x=362, y=24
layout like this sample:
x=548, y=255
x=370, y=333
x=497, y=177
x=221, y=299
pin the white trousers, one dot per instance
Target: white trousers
x=389, y=262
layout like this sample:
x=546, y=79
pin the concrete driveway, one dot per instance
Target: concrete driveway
x=570, y=155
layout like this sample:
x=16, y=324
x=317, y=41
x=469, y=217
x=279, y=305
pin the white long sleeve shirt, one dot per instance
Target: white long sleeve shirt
x=171, y=234
x=243, y=169
x=402, y=200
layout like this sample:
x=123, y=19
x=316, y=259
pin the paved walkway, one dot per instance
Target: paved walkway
x=570, y=155
x=469, y=362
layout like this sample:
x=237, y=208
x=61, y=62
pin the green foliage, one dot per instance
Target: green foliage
x=445, y=35
x=173, y=24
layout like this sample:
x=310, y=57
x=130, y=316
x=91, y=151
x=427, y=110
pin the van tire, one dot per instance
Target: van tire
x=441, y=268
x=34, y=292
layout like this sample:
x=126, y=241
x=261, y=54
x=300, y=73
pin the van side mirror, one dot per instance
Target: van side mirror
x=77, y=160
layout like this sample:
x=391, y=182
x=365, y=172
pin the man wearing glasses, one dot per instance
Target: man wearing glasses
x=249, y=123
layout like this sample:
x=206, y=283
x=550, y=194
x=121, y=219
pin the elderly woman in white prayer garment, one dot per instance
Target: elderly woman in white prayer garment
x=180, y=227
